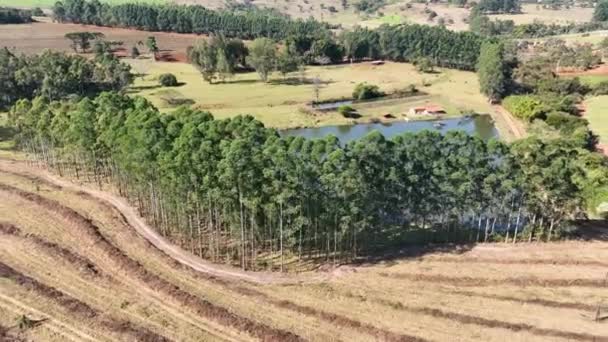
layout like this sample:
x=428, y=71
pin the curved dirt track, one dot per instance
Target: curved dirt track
x=147, y=232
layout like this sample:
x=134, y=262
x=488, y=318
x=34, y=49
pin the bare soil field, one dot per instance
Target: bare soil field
x=74, y=264
x=36, y=37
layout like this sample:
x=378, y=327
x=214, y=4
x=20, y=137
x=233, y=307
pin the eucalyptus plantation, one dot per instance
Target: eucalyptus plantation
x=234, y=191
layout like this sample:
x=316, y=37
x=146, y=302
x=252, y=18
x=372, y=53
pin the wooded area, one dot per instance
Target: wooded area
x=232, y=190
x=56, y=75
x=311, y=39
x=15, y=16
x=184, y=19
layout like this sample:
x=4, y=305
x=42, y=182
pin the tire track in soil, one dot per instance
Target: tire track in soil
x=202, y=307
x=78, y=308
x=326, y=316
x=480, y=282
x=484, y=322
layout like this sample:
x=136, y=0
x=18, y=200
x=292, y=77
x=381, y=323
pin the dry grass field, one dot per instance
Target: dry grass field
x=532, y=12
x=76, y=268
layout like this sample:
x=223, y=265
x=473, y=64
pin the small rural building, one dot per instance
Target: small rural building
x=377, y=62
x=427, y=110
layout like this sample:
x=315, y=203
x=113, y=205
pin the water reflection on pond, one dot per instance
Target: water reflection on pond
x=480, y=125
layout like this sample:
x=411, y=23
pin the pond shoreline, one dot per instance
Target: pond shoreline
x=480, y=124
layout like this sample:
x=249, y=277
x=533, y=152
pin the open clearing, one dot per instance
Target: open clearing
x=533, y=12
x=281, y=103
x=117, y=286
x=597, y=115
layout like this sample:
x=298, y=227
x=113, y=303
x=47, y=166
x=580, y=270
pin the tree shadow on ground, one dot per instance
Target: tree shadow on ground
x=135, y=89
x=391, y=257
x=7, y=133
x=239, y=82
x=591, y=230
x=296, y=81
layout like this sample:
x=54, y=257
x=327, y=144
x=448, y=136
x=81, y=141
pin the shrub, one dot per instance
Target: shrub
x=565, y=122
x=364, y=91
x=526, y=107
x=424, y=64
x=601, y=88
x=37, y=12
x=167, y=80
x=346, y=110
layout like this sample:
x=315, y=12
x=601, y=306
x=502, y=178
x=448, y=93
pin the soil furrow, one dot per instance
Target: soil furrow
x=7, y=336
x=475, y=282
x=200, y=306
x=84, y=265
x=328, y=317
x=485, y=322
x=558, y=262
x=535, y=301
x=52, y=324
x=76, y=307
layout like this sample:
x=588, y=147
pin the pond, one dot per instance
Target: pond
x=481, y=125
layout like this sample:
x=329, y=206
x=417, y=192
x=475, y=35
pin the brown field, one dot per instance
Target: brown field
x=73, y=261
x=36, y=37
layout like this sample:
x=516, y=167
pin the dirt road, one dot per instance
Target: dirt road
x=506, y=121
x=143, y=229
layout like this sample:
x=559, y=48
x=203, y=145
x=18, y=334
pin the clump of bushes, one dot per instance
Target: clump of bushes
x=525, y=107
x=168, y=80
x=364, y=91
x=347, y=111
x=601, y=88
x=424, y=65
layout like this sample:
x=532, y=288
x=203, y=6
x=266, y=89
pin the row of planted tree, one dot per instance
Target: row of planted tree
x=235, y=191
x=399, y=43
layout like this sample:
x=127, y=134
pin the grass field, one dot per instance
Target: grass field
x=281, y=103
x=592, y=80
x=597, y=114
x=533, y=12
x=107, y=283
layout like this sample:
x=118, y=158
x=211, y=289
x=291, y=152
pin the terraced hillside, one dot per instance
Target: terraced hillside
x=77, y=264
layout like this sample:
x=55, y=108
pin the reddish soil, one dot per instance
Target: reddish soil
x=599, y=70
x=36, y=37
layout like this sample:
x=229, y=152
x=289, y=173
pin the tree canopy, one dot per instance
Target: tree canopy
x=183, y=19
x=15, y=16
x=234, y=190
x=56, y=75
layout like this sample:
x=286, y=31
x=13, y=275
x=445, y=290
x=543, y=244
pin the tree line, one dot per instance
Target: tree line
x=183, y=19
x=57, y=75
x=234, y=191
x=309, y=40
x=15, y=16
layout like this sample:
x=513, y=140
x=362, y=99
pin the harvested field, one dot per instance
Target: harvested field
x=36, y=37
x=119, y=286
